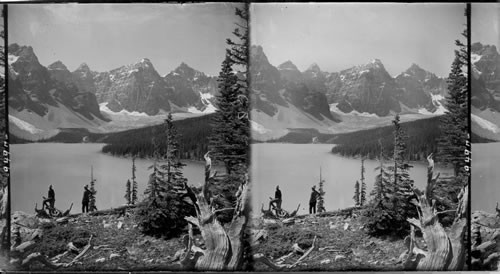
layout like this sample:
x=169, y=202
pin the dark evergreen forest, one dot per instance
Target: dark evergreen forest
x=422, y=140
x=193, y=139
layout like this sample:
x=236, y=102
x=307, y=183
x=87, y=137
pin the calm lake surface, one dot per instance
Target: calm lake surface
x=485, y=176
x=295, y=168
x=67, y=167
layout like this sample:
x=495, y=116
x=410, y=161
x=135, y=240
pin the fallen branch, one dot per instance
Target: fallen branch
x=280, y=266
x=38, y=257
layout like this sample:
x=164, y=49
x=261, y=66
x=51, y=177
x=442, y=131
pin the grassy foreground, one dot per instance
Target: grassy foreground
x=342, y=243
x=116, y=244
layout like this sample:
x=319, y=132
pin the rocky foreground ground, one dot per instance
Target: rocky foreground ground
x=342, y=243
x=112, y=242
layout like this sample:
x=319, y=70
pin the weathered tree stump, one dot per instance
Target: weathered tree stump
x=445, y=251
x=223, y=246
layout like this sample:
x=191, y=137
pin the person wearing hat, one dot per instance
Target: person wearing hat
x=312, y=200
x=86, y=199
x=277, y=199
x=50, y=201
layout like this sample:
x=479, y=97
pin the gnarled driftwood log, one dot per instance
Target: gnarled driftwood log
x=223, y=246
x=445, y=251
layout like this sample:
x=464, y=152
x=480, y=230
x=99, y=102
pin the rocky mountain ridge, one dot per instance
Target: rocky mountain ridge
x=323, y=98
x=52, y=97
x=485, y=91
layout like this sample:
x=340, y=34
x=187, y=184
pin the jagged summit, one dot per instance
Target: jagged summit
x=288, y=65
x=375, y=63
x=314, y=67
x=414, y=67
x=25, y=53
x=57, y=65
x=83, y=67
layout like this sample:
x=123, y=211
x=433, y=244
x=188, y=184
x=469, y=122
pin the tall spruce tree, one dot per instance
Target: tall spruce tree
x=133, y=194
x=362, y=193
x=382, y=179
x=321, y=190
x=231, y=127
x=221, y=142
x=356, y=194
x=93, y=191
x=172, y=168
x=164, y=209
x=455, y=121
x=128, y=193
x=230, y=139
x=389, y=214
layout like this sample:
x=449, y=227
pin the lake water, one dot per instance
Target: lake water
x=67, y=167
x=295, y=168
x=485, y=176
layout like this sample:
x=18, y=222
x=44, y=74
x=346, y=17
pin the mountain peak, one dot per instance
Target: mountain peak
x=414, y=66
x=288, y=65
x=314, y=67
x=481, y=49
x=145, y=60
x=376, y=62
x=25, y=53
x=84, y=67
x=184, y=66
x=257, y=54
x=57, y=65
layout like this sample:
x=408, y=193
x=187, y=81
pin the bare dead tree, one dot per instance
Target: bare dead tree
x=223, y=246
x=445, y=251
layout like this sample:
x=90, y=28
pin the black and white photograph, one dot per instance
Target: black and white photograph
x=485, y=129
x=4, y=170
x=129, y=133
x=359, y=122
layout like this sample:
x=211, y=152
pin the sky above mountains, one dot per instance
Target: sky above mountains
x=339, y=36
x=107, y=36
x=485, y=23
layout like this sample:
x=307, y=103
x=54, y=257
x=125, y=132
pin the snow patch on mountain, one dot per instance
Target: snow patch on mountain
x=259, y=128
x=436, y=100
x=205, y=99
x=474, y=57
x=24, y=125
x=104, y=108
x=485, y=124
x=334, y=108
x=12, y=59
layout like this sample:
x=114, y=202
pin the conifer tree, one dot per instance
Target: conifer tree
x=223, y=140
x=230, y=142
x=172, y=169
x=133, y=194
x=382, y=179
x=128, y=193
x=454, y=124
x=164, y=209
x=230, y=139
x=93, y=191
x=356, y=194
x=362, y=194
x=321, y=199
x=389, y=214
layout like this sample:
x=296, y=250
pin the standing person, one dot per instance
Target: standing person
x=312, y=200
x=277, y=199
x=86, y=199
x=50, y=201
